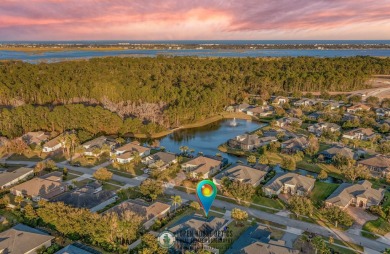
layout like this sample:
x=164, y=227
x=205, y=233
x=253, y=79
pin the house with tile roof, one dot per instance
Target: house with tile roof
x=202, y=165
x=358, y=108
x=9, y=178
x=45, y=187
x=35, y=137
x=94, y=146
x=90, y=196
x=331, y=152
x=149, y=212
x=289, y=183
x=287, y=121
x=318, y=128
x=195, y=232
x=241, y=173
x=360, y=194
x=126, y=152
x=23, y=239
x=293, y=145
x=165, y=159
x=245, y=142
x=280, y=100
x=53, y=144
x=379, y=165
x=360, y=134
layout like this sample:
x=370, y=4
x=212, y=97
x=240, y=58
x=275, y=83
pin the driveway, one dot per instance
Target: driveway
x=289, y=238
x=360, y=215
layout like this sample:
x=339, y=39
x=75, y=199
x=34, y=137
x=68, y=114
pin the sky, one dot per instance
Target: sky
x=194, y=20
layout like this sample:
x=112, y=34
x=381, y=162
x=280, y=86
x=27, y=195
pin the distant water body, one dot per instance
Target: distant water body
x=57, y=56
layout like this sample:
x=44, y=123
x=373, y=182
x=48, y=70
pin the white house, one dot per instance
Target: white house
x=53, y=144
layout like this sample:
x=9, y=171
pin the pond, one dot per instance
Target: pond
x=206, y=139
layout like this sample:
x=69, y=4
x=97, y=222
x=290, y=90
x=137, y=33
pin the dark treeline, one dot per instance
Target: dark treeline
x=188, y=88
x=17, y=121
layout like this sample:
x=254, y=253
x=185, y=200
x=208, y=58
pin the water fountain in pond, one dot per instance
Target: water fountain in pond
x=233, y=123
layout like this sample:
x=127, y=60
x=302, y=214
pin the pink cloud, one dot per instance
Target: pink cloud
x=195, y=19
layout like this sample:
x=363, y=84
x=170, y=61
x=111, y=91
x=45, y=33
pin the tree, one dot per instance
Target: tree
x=289, y=163
x=149, y=245
x=339, y=161
x=30, y=214
x=151, y=188
x=263, y=159
x=239, y=215
x=137, y=158
x=336, y=215
x=195, y=205
x=372, y=100
x=320, y=245
x=313, y=146
x=251, y=159
x=39, y=167
x=19, y=199
x=239, y=190
x=102, y=174
x=274, y=146
x=301, y=205
x=322, y=175
x=354, y=172
x=176, y=200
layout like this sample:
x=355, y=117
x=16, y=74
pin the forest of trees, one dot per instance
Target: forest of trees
x=92, y=119
x=168, y=91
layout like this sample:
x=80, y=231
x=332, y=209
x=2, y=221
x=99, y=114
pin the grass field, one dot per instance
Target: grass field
x=378, y=226
x=274, y=203
x=27, y=156
x=322, y=190
x=317, y=167
x=237, y=230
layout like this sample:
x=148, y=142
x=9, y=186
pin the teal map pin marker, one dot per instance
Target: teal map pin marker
x=206, y=191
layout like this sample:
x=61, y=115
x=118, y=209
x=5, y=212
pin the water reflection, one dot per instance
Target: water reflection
x=206, y=139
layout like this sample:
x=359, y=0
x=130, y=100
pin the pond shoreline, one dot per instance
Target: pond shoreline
x=221, y=116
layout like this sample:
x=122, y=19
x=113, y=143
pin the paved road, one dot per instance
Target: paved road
x=305, y=226
x=130, y=181
x=313, y=228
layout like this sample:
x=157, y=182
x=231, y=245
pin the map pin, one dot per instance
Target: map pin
x=206, y=191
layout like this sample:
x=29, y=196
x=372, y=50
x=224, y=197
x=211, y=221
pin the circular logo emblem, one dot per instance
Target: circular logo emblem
x=166, y=239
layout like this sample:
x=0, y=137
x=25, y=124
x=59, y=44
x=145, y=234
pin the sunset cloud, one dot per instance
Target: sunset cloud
x=195, y=19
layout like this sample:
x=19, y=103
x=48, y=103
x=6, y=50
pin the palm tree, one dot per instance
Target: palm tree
x=137, y=158
x=176, y=200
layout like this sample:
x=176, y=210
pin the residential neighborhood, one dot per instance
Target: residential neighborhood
x=284, y=179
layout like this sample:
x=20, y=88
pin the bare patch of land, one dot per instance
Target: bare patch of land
x=380, y=87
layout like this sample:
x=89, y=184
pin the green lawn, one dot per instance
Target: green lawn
x=274, y=158
x=237, y=230
x=27, y=156
x=322, y=190
x=120, y=170
x=274, y=203
x=110, y=187
x=324, y=146
x=317, y=167
x=91, y=161
x=82, y=182
x=386, y=202
x=378, y=226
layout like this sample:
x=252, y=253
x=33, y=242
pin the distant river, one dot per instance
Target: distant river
x=57, y=56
